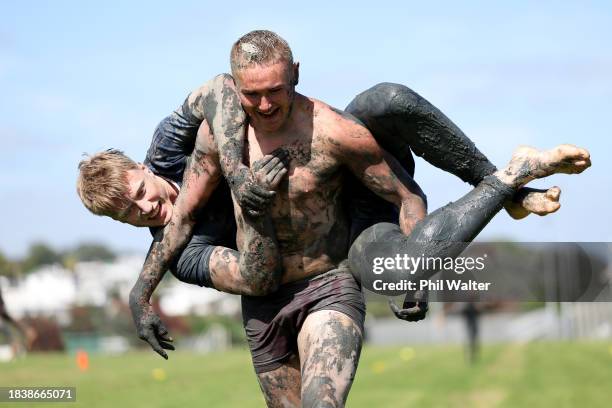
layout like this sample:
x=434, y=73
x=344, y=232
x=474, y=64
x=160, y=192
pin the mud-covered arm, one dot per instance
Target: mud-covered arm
x=201, y=178
x=218, y=103
x=174, y=137
x=380, y=172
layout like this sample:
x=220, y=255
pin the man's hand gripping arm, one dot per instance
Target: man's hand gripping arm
x=218, y=103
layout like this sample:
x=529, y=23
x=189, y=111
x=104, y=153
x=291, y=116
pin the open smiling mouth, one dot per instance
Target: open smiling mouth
x=270, y=115
x=156, y=212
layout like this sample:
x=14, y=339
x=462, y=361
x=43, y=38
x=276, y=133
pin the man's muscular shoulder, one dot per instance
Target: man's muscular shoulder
x=205, y=141
x=347, y=137
x=201, y=102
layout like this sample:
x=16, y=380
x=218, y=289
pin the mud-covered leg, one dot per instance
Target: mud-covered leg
x=281, y=387
x=256, y=270
x=402, y=121
x=260, y=264
x=447, y=231
x=329, y=344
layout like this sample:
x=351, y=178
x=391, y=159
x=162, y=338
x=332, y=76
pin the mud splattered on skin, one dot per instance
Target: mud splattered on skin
x=443, y=233
x=402, y=121
x=400, y=118
x=228, y=123
x=281, y=387
x=331, y=357
x=259, y=262
x=164, y=250
x=319, y=143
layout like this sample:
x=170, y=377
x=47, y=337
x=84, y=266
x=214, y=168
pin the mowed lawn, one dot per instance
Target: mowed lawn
x=509, y=375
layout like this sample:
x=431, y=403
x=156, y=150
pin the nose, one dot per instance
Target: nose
x=264, y=104
x=145, y=207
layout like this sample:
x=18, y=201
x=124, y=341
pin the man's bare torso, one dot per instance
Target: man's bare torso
x=308, y=216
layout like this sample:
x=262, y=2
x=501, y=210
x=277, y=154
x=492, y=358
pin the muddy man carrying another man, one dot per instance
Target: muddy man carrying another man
x=306, y=183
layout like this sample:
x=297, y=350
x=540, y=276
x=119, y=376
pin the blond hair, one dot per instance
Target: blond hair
x=259, y=47
x=102, y=182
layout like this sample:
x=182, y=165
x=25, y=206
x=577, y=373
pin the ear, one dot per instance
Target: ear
x=296, y=73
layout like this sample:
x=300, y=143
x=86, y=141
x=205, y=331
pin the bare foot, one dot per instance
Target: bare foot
x=529, y=164
x=536, y=202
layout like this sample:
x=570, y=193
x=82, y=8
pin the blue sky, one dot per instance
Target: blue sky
x=78, y=78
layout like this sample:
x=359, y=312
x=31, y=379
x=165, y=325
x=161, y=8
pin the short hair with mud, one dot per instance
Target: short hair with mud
x=102, y=182
x=259, y=47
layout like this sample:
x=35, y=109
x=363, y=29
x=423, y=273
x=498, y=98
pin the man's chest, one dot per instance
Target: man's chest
x=312, y=169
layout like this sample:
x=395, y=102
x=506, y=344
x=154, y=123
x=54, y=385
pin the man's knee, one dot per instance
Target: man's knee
x=398, y=98
x=383, y=99
x=228, y=273
x=330, y=346
x=259, y=281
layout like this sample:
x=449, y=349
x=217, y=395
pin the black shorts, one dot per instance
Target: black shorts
x=272, y=322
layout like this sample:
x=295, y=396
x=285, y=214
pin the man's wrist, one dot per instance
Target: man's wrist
x=136, y=299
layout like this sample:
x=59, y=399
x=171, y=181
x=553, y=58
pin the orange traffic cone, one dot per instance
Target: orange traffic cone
x=82, y=360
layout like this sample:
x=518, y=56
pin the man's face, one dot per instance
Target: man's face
x=266, y=93
x=150, y=197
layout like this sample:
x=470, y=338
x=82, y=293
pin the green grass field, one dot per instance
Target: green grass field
x=534, y=375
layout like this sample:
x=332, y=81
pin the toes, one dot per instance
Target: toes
x=574, y=153
x=553, y=193
x=548, y=208
x=584, y=153
x=573, y=159
x=584, y=163
x=553, y=207
x=581, y=165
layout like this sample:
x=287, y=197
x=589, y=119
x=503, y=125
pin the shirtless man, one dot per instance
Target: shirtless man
x=305, y=338
x=112, y=184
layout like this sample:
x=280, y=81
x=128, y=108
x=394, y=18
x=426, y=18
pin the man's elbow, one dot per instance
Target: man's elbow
x=423, y=197
x=416, y=197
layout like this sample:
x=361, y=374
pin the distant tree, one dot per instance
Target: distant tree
x=91, y=252
x=8, y=267
x=38, y=255
x=4, y=265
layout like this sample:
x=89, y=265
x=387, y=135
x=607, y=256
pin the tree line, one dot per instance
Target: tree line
x=40, y=254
